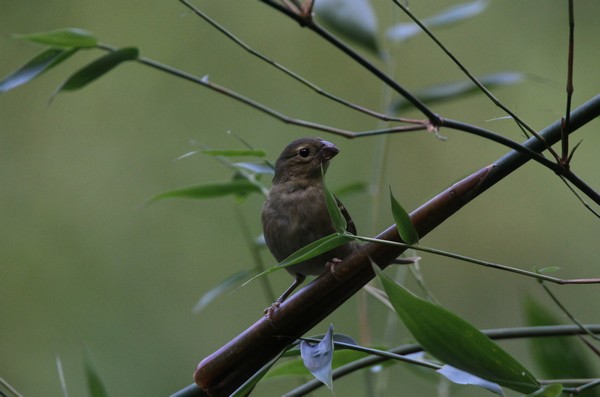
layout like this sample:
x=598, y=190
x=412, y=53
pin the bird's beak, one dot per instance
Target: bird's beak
x=329, y=150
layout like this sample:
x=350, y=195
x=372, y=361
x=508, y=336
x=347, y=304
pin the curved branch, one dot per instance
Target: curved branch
x=225, y=370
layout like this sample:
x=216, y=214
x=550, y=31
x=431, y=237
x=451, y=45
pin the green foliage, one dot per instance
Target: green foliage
x=97, y=68
x=94, y=381
x=39, y=64
x=407, y=231
x=455, y=341
x=451, y=16
x=558, y=357
x=67, y=38
x=210, y=190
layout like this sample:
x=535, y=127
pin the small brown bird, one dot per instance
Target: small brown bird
x=295, y=213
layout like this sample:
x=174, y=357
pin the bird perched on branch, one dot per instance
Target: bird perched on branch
x=295, y=213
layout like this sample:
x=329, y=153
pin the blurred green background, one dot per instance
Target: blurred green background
x=86, y=265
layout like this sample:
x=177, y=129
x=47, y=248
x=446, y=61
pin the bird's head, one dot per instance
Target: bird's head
x=303, y=159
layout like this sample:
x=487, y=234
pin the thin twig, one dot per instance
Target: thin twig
x=294, y=75
x=315, y=27
x=566, y=312
x=493, y=265
x=495, y=334
x=475, y=81
x=567, y=120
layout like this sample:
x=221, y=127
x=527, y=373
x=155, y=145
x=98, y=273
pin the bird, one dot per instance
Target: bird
x=295, y=212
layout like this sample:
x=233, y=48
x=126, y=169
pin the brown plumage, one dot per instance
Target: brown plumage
x=295, y=213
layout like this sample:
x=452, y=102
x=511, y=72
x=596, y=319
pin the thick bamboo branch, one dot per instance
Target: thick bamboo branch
x=224, y=371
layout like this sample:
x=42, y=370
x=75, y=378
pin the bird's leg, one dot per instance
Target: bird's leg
x=297, y=281
x=330, y=266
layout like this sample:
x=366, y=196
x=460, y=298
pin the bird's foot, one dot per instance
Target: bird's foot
x=268, y=312
x=331, y=267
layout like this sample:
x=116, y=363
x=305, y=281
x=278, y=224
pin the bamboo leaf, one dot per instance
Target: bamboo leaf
x=315, y=248
x=552, y=390
x=210, y=190
x=39, y=64
x=353, y=19
x=338, y=219
x=460, y=377
x=406, y=229
x=456, y=342
x=94, y=382
x=222, y=288
x=68, y=37
x=258, y=169
x=459, y=89
x=318, y=357
x=557, y=357
x=235, y=152
x=450, y=16
x=97, y=68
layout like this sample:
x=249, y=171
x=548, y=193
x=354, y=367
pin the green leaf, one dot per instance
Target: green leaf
x=97, y=68
x=317, y=358
x=210, y=190
x=558, y=357
x=68, y=37
x=450, y=16
x=339, y=222
x=258, y=169
x=552, y=390
x=94, y=382
x=225, y=286
x=235, y=152
x=315, y=248
x=41, y=63
x=456, y=342
x=406, y=229
x=353, y=19
x=459, y=89
x=461, y=377
x=245, y=389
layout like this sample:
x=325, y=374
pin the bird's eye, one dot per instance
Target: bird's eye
x=304, y=152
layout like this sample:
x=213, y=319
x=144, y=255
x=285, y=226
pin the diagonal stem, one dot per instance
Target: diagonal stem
x=224, y=371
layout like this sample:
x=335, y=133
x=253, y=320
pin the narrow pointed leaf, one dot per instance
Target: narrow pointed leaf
x=459, y=89
x=210, y=190
x=69, y=37
x=339, y=222
x=552, y=390
x=97, y=68
x=259, y=169
x=456, y=342
x=235, y=152
x=245, y=389
x=406, y=229
x=222, y=288
x=315, y=248
x=35, y=67
x=450, y=16
x=461, y=377
x=317, y=358
x=353, y=19
x=558, y=357
x=94, y=382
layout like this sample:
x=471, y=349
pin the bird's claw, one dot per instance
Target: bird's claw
x=268, y=312
x=330, y=266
